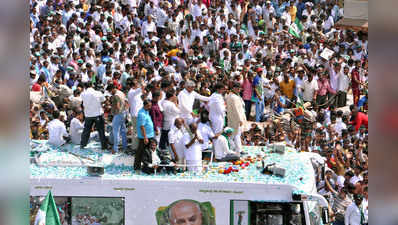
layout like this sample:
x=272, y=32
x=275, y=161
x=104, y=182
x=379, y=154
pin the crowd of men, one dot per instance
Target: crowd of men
x=169, y=80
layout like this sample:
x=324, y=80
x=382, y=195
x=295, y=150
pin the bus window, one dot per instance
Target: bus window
x=271, y=213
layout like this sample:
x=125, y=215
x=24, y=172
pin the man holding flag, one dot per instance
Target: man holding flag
x=296, y=28
x=48, y=214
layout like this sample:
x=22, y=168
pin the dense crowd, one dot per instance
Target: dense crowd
x=169, y=80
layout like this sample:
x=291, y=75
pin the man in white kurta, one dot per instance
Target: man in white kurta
x=223, y=148
x=171, y=111
x=186, y=99
x=205, y=132
x=76, y=128
x=135, y=103
x=176, y=133
x=193, y=149
x=56, y=131
x=353, y=212
x=217, y=109
x=236, y=115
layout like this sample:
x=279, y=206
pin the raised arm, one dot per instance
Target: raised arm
x=201, y=97
x=328, y=186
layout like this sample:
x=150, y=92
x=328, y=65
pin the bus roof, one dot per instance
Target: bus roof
x=70, y=162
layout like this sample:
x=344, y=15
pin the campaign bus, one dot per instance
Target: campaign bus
x=264, y=187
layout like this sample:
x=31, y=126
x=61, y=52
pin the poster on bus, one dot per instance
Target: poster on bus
x=103, y=211
x=186, y=211
x=240, y=212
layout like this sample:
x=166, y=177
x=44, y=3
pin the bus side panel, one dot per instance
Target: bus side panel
x=144, y=198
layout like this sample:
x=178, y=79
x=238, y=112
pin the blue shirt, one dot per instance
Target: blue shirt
x=300, y=9
x=47, y=74
x=279, y=9
x=101, y=71
x=361, y=103
x=144, y=119
x=279, y=109
x=257, y=84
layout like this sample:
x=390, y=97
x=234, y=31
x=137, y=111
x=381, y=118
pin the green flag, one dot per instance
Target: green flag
x=93, y=79
x=296, y=28
x=48, y=213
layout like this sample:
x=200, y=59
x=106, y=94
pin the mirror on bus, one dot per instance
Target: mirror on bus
x=325, y=215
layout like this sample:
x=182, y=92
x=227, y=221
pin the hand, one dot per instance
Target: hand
x=146, y=141
x=157, y=132
x=176, y=158
x=200, y=140
x=240, y=123
x=155, y=166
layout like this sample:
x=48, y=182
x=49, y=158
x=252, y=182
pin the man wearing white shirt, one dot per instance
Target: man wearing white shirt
x=310, y=89
x=186, y=99
x=161, y=19
x=33, y=78
x=365, y=206
x=329, y=23
x=205, y=130
x=170, y=113
x=267, y=10
x=343, y=87
x=353, y=214
x=217, y=108
x=299, y=81
x=287, y=16
x=193, y=149
x=196, y=10
x=76, y=128
x=135, y=103
x=93, y=112
x=56, y=131
x=334, y=72
x=223, y=147
x=357, y=177
x=230, y=29
x=269, y=86
x=340, y=125
x=175, y=135
x=148, y=26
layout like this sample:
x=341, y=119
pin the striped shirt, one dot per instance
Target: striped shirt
x=339, y=206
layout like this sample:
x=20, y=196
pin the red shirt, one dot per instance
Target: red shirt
x=361, y=119
x=36, y=87
x=156, y=115
x=331, y=162
x=116, y=84
x=354, y=84
x=247, y=89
